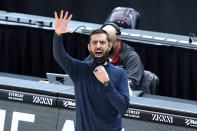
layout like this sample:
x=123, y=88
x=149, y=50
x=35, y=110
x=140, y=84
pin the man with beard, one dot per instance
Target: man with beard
x=124, y=56
x=101, y=89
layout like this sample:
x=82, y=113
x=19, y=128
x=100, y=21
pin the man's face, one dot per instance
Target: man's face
x=99, y=45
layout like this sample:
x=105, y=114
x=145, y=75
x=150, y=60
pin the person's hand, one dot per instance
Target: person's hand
x=61, y=23
x=101, y=74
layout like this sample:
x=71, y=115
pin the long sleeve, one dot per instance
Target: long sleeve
x=67, y=63
x=119, y=97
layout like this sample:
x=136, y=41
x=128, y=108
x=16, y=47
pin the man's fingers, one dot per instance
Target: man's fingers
x=97, y=69
x=55, y=14
x=95, y=73
x=101, y=74
x=101, y=67
x=61, y=14
x=66, y=15
x=69, y=18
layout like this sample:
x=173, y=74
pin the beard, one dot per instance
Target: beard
x=100, y=60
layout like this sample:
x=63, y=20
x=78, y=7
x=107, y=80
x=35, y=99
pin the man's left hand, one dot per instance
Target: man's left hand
x=101, y=74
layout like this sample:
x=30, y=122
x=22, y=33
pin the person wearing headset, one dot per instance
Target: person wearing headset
x=124, y=56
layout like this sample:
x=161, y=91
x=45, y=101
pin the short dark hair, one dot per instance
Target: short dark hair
x=99, y=31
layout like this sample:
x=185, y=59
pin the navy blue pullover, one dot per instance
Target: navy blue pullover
x=98, y=108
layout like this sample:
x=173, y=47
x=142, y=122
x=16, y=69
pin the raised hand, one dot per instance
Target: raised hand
x=61, y=23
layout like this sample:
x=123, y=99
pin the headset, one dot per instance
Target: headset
x=118, y=32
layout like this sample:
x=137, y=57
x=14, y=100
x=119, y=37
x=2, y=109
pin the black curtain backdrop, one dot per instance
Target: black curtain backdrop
x=169, y=16
x=28, y=51
x=175, y=67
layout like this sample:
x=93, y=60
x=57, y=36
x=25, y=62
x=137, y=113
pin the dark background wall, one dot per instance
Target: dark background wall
x=169, y=16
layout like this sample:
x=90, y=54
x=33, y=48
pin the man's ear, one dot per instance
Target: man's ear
x=89, y=47
x=110, y=45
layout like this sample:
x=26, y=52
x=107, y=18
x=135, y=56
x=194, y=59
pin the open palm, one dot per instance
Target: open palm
x=61, y=23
